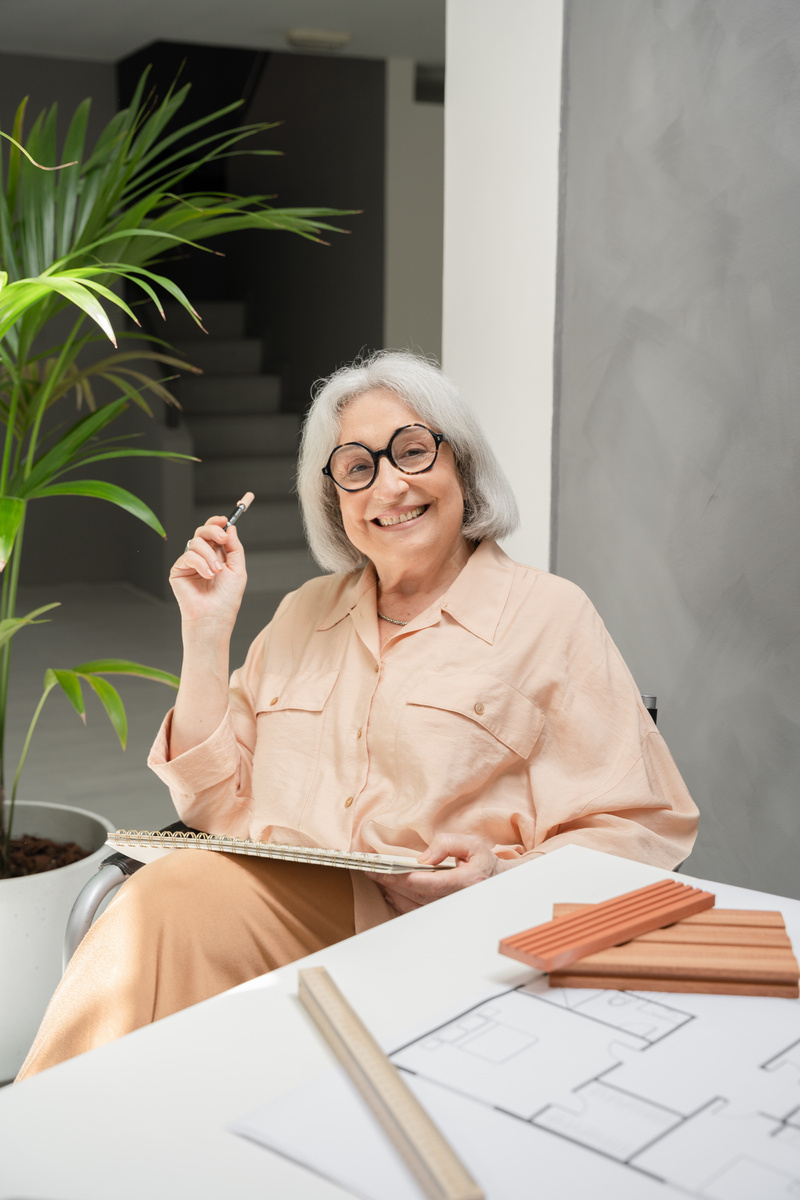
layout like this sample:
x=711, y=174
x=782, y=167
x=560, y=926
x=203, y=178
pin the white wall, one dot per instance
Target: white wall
x=502, y=114
x=414, y=215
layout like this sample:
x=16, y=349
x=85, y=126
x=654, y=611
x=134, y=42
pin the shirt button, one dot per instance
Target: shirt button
x=274, y=700
x=377, y=668
x=348, y=801
x=479, y=709
x=358, y=735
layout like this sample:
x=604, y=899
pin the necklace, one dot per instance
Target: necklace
x=391, y=620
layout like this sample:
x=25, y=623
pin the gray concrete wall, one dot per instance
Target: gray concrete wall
x=678, y=442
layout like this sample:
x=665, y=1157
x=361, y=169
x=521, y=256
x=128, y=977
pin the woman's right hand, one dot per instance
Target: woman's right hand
x=209, y=577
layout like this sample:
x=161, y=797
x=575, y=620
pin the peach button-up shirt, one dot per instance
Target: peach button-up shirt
x=504, y=710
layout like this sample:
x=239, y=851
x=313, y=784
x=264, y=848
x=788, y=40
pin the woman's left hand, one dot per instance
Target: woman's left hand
x=474, y=862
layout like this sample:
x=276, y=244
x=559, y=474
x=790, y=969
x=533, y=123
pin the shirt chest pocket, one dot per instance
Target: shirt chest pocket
x=477, y=723
x=302, y=692
x=290, y=714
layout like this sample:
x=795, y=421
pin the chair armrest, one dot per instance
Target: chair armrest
x=112, y=871
x=110, y=874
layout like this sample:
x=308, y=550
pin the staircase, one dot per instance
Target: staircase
x=244, y=441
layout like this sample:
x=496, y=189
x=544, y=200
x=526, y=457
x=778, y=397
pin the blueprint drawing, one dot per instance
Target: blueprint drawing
x=679, y=1090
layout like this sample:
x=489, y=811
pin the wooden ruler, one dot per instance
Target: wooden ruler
x=439, y=1172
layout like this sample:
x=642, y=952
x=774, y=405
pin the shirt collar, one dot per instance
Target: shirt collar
x=475, y=599
x=353, y=587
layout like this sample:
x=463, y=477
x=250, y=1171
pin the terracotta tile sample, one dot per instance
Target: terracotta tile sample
x=596, y=927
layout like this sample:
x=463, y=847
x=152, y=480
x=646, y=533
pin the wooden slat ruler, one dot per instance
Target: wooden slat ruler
x=435, y=1165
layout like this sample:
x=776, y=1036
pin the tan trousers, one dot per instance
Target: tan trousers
x=182, y=929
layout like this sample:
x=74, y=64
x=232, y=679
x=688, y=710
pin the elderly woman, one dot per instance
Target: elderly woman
x=429, y=697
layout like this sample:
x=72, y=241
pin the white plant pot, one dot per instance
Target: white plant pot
x=33, y=917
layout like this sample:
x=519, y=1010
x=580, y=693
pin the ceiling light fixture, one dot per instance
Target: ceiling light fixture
x=321, y=41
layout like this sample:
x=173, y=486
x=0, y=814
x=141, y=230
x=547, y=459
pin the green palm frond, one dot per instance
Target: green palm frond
x=89, y=230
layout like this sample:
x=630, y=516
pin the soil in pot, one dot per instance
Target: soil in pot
x=30, y=855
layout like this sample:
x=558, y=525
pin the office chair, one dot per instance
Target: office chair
x=112, y=872
x=115, y=869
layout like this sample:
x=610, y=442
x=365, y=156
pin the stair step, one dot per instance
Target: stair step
x=217, y=394
x=245, y=436
x=222, y=356
x=267, y=523
x=222, y=480
x=280, y=570
x=221, y=318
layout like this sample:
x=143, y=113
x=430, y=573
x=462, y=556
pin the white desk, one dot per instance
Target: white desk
x=147, y=1115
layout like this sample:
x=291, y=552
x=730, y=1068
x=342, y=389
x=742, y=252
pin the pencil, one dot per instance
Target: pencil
x=241, y=508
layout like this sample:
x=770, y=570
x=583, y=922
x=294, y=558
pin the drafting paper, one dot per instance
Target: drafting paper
x=578, y=1092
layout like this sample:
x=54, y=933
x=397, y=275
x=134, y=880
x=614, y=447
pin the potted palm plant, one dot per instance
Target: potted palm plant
x=81, y=231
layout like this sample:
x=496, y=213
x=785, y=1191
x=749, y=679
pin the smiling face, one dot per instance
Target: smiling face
x=402, y=523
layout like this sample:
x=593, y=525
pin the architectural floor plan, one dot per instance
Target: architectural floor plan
x=577, y=1092
x=644, y=1081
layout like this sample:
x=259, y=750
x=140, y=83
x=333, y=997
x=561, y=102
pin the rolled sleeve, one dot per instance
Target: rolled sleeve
x=209, y=784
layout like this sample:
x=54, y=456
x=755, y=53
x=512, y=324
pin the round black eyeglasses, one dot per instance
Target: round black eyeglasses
x=412, y=450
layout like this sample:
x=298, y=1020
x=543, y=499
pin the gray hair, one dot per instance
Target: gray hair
x=490, y=510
